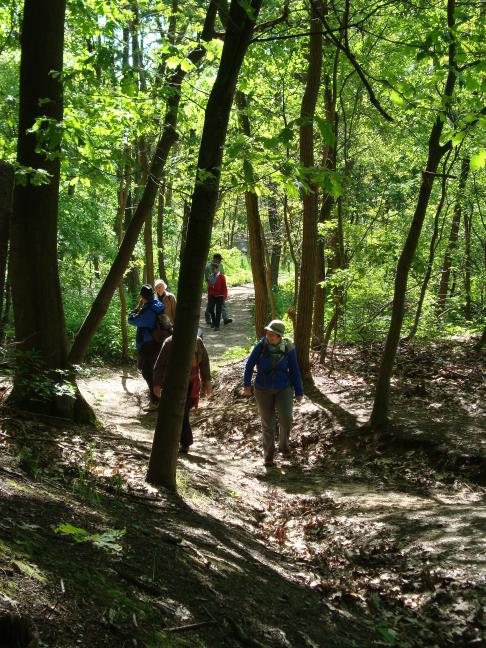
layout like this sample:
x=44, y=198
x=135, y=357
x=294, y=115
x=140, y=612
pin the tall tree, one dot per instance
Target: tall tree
x=39, y=320
x=453, y=235
x=163, y=458
x=309, y=197
x=436, y=150
x=255, y=237
x=6, y=195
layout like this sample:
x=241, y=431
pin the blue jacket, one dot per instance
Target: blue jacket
x=285, y=373
x=145, y=320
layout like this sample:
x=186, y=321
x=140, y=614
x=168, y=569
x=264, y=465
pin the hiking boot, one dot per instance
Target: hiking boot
x=286, y=454
x=269, y=463
x=228, y=321
x=151, y=407
x=184, y=449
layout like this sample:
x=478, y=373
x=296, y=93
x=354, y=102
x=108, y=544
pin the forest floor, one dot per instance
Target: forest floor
x=357, y=541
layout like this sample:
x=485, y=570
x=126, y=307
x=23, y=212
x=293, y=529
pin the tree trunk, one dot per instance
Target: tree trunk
x=122, y=259
x=6, y=196
x=467, y=265
x=329, y=158
x=160, y=234
x=379, y=415
x=451, y=246
x=276, y=229
x=122, y=204
x=163, y=459
x=293, y=256
x=185, y=223
x=309, y=200
x=432, y=248
x=39, y=320
x=255, y=238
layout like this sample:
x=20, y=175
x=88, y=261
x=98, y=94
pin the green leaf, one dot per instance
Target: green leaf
x=478, y=160
x=326, y=130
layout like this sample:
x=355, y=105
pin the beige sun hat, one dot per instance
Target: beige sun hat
x=160, y=282
x=276, y=326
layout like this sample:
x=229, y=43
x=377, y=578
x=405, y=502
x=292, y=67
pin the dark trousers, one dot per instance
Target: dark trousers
x=224, y=312
x=186, y=432
x=147, y=356
x=215, y=304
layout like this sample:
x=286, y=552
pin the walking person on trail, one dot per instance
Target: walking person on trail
x=167, y=298
x=217, y=258
x=217, y=294
x=277, y=379
x=199, y=382
x=145, y=318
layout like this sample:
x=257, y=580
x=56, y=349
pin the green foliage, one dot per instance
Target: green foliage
x=108, y=540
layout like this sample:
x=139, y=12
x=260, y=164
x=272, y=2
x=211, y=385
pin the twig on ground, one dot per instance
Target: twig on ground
x=190, y=626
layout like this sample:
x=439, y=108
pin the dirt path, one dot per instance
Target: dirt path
x=415, y=539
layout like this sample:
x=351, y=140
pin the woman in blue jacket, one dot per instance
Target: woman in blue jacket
x=144, y=317
x=277, y=379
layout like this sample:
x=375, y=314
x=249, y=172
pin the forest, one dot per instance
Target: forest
x=333, y=152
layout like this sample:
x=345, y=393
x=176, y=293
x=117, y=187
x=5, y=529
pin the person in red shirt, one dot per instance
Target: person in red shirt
x=217, y=294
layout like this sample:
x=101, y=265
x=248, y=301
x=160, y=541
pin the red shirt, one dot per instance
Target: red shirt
x=219, y=288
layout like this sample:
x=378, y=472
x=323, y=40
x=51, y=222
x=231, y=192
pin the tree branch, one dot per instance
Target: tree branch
x=344, y=47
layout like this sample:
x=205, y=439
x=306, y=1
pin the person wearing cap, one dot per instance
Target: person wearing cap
x=167, y=298
x=277, y=380
x=144, y=317
x=217, y=258
x=217, y=293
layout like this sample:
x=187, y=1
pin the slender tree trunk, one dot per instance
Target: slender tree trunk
x=233, y=224
x=329, y=158
x=6, y=199
x=293, y=256
x=268, y=276
x=185, y=223
x=379, y=415
x=276, y=229
x=160, y=234
x=451, y=246
x=122, y=204
x=163, y=459
x=255, y=238
x=467, y=265
x=164, y=145
x=432, y=248
x=309, y=200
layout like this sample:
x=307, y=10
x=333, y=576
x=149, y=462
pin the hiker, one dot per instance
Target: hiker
x=217, y=258
x=199, y=381
x=167, y=298
x=277, y=378
x=217, y=293
x=144, y=317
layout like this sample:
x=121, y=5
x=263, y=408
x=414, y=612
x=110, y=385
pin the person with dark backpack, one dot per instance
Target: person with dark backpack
x=277, y=379
x=149, y=338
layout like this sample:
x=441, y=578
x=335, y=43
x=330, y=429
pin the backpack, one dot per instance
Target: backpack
x=163, y=328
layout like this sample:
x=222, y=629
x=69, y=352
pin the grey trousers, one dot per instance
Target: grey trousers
x=270, y=402
x=224, y=313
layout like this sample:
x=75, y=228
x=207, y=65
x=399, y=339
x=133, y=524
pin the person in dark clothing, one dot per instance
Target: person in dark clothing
x=217, y=294
x=277, y=379
x=199, y=382
x=144, y=317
